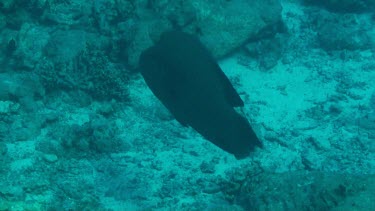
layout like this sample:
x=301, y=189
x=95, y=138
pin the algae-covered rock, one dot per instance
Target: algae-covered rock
x=2, y=21
x=68, y=13
x=344, y=5
x=5, y=107
x=306, y=190
x=50, y=158
x=6, y=5
x=372, y=101
x=15, y=87
x=226, y=25
x=31, y=41
x=337, y=32
x=19, y=205
x=88, y=70
x=3, y=149
x=63, y=45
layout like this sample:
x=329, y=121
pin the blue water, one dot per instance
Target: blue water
x=80, y=129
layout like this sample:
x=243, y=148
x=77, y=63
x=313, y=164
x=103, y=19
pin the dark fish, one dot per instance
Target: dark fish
x=184, y=76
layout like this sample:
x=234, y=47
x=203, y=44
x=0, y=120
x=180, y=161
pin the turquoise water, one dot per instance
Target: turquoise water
x=81, y=129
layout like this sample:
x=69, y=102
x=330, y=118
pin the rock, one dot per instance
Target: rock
x=226, y=25
x=372, y=101
x=207, y=168
x=11, y=47
x=50, y=158
x=74, y=12
x=6, y=5
x=345, y=5
x=2, y=21
x=223, y=26
x=21, y=88
x=65, y=45
x=3, y=149
x=32, y=39
x=22, y=165
x=335, y=32
x=267, y=51
x=212, y=189
x=5, y=107
x=367, y=122
x=105, y=108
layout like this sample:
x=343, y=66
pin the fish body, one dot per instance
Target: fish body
x=185, y=77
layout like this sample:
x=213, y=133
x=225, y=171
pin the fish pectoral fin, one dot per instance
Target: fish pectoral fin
x=230, y=93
